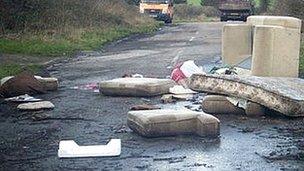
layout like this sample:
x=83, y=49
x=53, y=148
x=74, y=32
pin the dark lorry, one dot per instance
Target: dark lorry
x=235, y=9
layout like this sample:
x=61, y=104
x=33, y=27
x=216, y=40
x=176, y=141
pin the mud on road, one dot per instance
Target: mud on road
x=29, y=141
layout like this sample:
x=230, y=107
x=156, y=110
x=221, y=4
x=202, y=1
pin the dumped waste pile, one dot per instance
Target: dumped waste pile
x=21, y=89
x=188, y=99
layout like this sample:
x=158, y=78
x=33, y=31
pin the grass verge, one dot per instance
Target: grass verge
x=68, y=43
x=302, y=60
x=65, y=44
x=194, y=2
x=199, y=19
x=13, y=69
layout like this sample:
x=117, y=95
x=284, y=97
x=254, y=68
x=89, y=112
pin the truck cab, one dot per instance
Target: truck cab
x=158, y=9
x=235, y=9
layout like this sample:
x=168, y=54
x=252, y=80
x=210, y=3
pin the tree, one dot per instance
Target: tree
x=264, y=4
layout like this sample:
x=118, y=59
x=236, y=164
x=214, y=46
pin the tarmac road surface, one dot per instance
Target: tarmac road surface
x=29, y=141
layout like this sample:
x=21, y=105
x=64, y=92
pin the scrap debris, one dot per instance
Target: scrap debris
x=22, y=98
x=36, y=106
x=48, y=83
x=91, y=86
x=70, y=149
x=22, y=87
x=181, y=72
x=168, y=122
x=135, y=87
x=144, y=107
x=180, y=90
x=21, y=84
x=219, y=104
x=284, y=95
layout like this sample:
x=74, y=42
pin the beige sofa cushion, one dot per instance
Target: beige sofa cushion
x=135, y=87
x=275, y=52
x=166, y=122
x=236, y=43
x=288, y=22
x=217, y=104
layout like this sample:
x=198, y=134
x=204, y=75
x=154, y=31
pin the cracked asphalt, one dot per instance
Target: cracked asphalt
x=29, y=140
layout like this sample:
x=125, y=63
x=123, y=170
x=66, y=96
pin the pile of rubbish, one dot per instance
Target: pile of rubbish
x=223, y=90
x=244, y=87
x=22, y=87
x=253, y=83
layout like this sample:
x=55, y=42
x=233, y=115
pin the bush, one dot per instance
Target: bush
x=189, y=12
x=60, y=15
x=294, y=8
x=62, y=27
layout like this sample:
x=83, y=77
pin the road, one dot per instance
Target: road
x=263, y=143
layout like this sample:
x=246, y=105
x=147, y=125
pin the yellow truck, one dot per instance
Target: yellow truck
x=158, y=9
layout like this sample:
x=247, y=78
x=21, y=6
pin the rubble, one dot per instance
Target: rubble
x=171, y=98
x=23, y=98
x=138, y=87
x=49, y=83
x=36, y=106
x=183, y=96
x=168, y=122
x=231, y=71
x=180, y=90
x=284, y=95
x=185, y=70
x=91, y=86
x=144, y=107
x=21, y=84
x=167, y=98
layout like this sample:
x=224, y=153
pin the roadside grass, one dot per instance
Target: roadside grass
x=45, y=47
x=194, y=2
x=67, y=44
x=13, y=69
x=199, y=19
x=38, y=31
x=302, y=60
